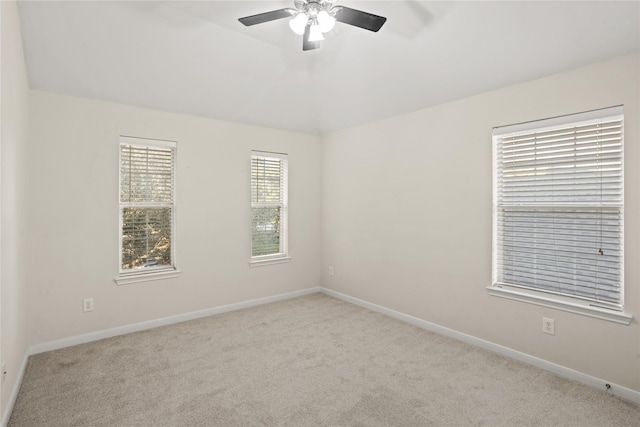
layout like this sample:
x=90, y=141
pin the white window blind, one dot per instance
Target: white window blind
x=147, y=204
x=269, y=180
x=558, y=194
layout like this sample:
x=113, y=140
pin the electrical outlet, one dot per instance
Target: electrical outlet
x=548, y=326
x=331, y=270
x=87, y=304
x=4, y=371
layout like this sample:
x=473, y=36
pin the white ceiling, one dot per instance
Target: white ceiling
x=196, y=58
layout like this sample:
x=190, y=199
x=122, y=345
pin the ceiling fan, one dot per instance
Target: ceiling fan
x=312, y=18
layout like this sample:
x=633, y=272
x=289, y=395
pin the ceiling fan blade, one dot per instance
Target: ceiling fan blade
x=306, y=44
x=265, y=17
x=358, y=18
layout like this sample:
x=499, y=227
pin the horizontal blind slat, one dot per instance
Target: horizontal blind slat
x=559, y=197
x=268, y=194
x=146, y=200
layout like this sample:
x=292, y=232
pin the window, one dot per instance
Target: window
x=269, y=209
x=558, y=213
x=147, y=208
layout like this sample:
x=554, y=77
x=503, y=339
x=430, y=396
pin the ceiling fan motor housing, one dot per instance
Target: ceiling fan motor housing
x=312, y=18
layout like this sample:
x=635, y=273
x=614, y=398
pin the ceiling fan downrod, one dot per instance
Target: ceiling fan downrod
x=313, y=18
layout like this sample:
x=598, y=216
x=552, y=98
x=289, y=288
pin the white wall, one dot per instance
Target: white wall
x=73, y=215
x=406, y=217
x=14, y=123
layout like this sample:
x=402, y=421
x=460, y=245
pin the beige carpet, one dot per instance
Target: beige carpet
x=308, y=361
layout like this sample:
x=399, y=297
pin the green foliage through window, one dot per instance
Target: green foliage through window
x=268, y=204
x=146, y=237
x=146, y=205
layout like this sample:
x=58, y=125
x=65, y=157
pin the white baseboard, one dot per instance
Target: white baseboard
x=563, y=371
x=560, y=370
x=121, y=330
x=16, y=390
x=108, y=333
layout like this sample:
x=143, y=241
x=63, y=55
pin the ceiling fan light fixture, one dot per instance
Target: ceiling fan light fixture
x=312, y=18
x=315, y=33
x=299, y=23
x=326, y=21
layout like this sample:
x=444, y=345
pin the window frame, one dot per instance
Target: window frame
x=149, y=273
x=561, y=301
x=283, y=254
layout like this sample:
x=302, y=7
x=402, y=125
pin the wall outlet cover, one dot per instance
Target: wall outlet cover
x=87, y=304
x=548, y=326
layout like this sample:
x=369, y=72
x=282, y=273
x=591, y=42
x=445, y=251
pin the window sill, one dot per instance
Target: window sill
x=538, y=298
x=269, y=261
x=128, y=278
